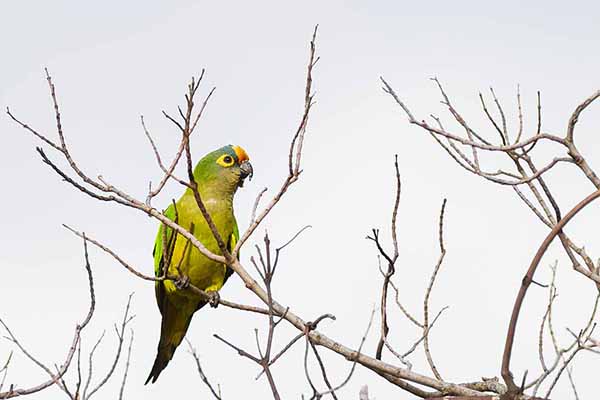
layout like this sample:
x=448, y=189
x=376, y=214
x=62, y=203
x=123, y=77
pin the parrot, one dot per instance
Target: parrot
x=218, y=176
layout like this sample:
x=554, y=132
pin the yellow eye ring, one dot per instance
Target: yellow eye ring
x=225, y=160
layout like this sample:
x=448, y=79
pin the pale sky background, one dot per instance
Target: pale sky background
x=113, y=61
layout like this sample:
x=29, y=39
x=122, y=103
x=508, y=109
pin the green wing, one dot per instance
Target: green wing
x=158, y=251
x=167, y=239
x=233, y=239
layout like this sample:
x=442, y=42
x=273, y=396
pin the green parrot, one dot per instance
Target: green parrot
x=218, y=175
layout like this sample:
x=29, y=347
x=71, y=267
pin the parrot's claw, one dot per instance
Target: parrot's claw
x=183, y=282
x=214, y=298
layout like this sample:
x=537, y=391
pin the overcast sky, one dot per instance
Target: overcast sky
x=114, y=61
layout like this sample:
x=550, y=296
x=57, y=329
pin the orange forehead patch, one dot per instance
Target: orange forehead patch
x=240, y=153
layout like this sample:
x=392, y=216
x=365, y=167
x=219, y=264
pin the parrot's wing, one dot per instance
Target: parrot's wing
x=233, y=239
x=163, y=248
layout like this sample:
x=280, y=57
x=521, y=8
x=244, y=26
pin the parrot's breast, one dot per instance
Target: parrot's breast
x=202, y=272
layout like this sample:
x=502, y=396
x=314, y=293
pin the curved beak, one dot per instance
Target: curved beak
x=247, y=172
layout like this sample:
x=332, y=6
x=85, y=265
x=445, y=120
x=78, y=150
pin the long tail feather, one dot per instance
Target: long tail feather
x=175, y=322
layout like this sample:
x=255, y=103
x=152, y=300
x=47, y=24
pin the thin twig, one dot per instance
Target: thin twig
x=428, y=294
x=124, y=381
x=203, y=377
x=55, y=377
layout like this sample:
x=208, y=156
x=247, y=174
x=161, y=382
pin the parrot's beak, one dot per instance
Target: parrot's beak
x=246, y=169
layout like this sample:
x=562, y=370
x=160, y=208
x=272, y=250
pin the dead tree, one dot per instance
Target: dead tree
x=526, y=178
x=464, y=149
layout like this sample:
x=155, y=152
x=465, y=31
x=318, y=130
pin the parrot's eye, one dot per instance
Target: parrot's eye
x=225, y=160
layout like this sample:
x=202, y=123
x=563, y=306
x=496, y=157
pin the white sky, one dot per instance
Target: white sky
x=112, y=62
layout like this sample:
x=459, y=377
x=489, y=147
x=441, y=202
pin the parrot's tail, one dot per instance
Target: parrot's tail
x=175, y=322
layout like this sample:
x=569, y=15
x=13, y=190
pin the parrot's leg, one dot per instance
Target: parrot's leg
x=182, y=282
x=214, y=298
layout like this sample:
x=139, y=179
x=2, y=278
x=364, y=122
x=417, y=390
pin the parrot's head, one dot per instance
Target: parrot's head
x=224, y=169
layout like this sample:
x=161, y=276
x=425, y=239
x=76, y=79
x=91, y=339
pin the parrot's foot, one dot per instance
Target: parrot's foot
x=213, y=298
x=182, y=282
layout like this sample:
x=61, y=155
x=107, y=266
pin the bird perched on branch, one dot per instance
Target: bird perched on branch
x=218, y=176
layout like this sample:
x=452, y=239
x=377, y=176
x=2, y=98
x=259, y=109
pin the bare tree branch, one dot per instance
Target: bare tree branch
x=215, y=393
x=506, y=373
x=428, y=294
x=55, y=377
x=124, y=381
